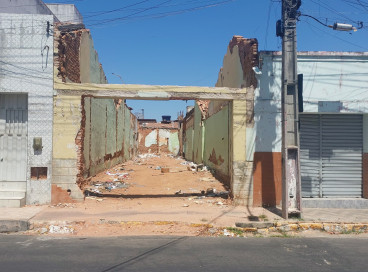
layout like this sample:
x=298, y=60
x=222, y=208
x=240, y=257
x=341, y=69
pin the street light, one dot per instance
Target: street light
x=343, y=27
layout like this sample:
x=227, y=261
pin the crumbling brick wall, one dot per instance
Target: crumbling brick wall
x=75, y=60
x=242, y=54
x=68, y=62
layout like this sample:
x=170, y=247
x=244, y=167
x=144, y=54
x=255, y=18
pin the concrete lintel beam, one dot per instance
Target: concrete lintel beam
x=150, y=92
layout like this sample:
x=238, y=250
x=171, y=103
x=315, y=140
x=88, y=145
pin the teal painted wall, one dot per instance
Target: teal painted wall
x=109, y=135
x=198, y=136
x=216, y=147
x=207, y=141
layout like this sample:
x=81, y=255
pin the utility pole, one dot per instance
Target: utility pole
x=291, y=185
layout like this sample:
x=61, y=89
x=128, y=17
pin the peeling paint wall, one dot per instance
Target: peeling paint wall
x=90, y=134
x=206, y=139
x=216, y=144
x=198, y=135
x=106, y=134
x=237, y=72
x=188, y=132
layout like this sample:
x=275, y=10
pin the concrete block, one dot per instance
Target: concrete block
x=7, y=226
x=13, y=185
x=61, y=163
x=64, y=179
x=12, y=202
x=64, y=171
x=5, y=194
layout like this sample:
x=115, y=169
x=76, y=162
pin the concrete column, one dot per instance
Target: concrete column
x=241, y=183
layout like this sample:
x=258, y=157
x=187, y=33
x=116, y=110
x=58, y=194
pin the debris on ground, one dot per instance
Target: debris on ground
x=191, y=166
x=60, y=229
x=148, y=155
x=63, y=205
x=165, y=170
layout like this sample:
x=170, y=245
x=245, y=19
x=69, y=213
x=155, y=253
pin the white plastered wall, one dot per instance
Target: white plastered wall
x=26, y=66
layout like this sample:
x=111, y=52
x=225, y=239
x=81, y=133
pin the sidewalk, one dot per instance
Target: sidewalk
x=139, y=198
x=83, y=219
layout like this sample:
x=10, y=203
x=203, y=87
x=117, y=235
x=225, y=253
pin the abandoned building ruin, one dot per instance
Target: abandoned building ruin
x=61, y=122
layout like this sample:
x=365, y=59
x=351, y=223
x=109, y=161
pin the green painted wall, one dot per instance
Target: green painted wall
x=188, y=143
x=207, y=141
x=198, y=136
x=216, y=147
x=108, y=129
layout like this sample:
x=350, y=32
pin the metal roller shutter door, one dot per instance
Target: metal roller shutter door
x=331, y=147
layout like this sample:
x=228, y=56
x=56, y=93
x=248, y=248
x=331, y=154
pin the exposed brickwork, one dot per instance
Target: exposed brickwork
x=365, y=175
x=59, y=195
x=143, y=131
x=248, y=53
x=68, y=55
x=267, y=179
x=79, y=141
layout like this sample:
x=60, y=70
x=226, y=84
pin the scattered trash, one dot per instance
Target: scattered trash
x=63, y=205
x=148, y=155
x=157, y=168
x=228, y=233
x=212, y=230
x=220, y=203
x=211, y=191
x=121, y=185
x=185, y=205
x=60, y=229
x=191, y=166
x=43, y=230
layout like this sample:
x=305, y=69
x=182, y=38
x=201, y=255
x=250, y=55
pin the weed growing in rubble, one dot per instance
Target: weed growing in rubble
x=282, y=234
x=236, y=231
x=263, y=217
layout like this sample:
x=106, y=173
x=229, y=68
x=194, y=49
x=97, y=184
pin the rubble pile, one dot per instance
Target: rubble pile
x=117, y=180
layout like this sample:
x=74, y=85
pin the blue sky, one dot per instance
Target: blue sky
x=144, y=45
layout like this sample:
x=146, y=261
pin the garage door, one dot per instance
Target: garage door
x=331, y=147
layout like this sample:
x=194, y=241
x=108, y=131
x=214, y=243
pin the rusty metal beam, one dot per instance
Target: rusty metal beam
x=149, y=92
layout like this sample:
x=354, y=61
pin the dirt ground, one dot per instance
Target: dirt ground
x=151, y=195
x=146, y=177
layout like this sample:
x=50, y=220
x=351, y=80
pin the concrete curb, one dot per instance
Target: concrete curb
x=7, y=226
x=264, y=228
x=331, y=227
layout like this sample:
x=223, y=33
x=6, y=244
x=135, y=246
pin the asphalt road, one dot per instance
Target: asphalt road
x=43, y=253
